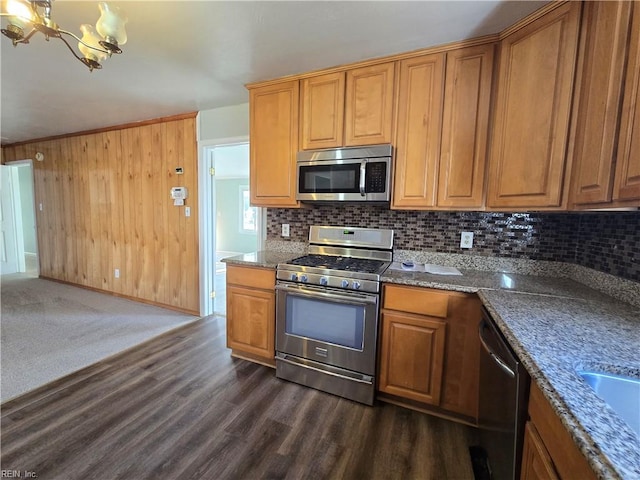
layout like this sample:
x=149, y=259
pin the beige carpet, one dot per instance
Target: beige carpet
x=49, y=330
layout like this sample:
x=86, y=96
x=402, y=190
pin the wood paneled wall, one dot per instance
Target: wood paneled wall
x=106, y=204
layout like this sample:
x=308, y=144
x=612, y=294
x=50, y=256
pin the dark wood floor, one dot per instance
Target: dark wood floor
x=179, y=407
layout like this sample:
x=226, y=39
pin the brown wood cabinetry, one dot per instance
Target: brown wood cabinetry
x=536, y=462
x=549, y=451
x=368, y=112
x=443, y=113
x=419, y=130
x=527, y=163
x=627, y=175
x=604, y=51
x=412, y=356
x=322, y=111
x=251, y=308
x=349, y=108
x=429, y=350
x=273, y=132
x=465, y=127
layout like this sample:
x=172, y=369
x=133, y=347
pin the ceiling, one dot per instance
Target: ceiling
x=185, y=56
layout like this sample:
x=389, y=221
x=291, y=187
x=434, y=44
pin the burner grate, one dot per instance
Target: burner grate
x=331, y=262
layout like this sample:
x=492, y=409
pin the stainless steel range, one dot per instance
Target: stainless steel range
x=327, y=305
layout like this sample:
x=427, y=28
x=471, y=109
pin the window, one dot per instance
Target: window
x=248, y=214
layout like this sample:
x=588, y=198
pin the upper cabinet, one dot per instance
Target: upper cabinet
x=527, y=163
x=419, y=130
x=349, y=108
x=443, y=113
x=273, y=137
x=368, y=112
x=465, y=127
x=322, y=111
x=551, y=123
x=605, y=48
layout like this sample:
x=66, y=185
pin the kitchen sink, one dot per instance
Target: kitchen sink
x=621, y=393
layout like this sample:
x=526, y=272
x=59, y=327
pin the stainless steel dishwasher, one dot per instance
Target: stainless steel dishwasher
x=504, y=392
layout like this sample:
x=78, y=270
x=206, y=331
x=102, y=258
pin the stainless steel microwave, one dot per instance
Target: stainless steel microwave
x=352, y=174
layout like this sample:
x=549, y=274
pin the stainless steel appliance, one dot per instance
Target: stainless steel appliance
x=353, y=174
x=504, y=390
x=327, y=305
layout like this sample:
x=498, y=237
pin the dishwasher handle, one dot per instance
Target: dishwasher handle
x=501, y=363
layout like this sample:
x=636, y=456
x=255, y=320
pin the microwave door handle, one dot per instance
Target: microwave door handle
x=363, y=173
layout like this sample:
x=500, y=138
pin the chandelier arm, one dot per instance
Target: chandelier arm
x=80, y=40
x=71, y=48
x=25, y=40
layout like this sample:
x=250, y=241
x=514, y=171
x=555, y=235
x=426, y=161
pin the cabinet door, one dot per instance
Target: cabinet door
x=536, y=462
x=627, y=177
x=369, y=105
x=605, y=29
x=462, y=349
x=419, y=128
x=465, y=128
x=322, y=111
x=251, y=320
x=273, y=132
x=527, y=159
x=412, y=356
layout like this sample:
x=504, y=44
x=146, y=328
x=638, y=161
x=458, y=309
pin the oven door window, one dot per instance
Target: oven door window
x=326, y=321
x=342, y=178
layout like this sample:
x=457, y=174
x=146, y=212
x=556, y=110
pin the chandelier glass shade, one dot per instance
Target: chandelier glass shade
x=96, y=44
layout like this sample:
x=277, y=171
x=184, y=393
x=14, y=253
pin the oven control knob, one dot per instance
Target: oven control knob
x=294, y=277
x=323, y=281
x=345, y=283
x=303, y=278
x=356, y=285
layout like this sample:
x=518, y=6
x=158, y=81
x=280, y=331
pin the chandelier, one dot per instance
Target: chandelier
x=95, y=45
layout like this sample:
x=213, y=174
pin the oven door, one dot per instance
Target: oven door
x=332, y=327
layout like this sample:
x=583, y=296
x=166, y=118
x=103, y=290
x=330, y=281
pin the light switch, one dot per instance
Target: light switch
x=187, y=211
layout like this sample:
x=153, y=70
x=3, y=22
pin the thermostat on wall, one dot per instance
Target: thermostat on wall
x=179, y=171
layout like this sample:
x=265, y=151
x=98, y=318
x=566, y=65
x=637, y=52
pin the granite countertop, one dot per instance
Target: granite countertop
x=263, y=258
x=556, y=326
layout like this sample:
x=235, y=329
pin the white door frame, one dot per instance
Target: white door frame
x=17, y=211
x=207, y=202
x=9, y=241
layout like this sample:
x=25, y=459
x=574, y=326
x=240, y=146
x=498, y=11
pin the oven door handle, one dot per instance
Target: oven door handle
x=501, y=363
x=314, y=292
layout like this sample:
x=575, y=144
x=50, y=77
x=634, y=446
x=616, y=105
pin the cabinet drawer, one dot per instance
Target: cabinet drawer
x=251, y=277
x=422, y=301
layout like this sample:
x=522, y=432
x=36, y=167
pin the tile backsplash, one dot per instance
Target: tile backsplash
x=607, y=242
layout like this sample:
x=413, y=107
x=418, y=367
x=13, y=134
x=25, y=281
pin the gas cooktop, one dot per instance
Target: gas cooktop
x=331, y=262
x=341, y=257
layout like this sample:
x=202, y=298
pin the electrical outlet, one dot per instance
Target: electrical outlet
x=285, y=229
x=466, y=240
x=116, y=273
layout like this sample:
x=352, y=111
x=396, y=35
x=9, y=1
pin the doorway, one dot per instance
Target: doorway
x=231, y=226
x=19, y=249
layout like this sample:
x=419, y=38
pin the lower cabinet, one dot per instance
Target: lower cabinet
x=412, y=356
x=549, y=452
x=251, y=307
x=429, y=348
